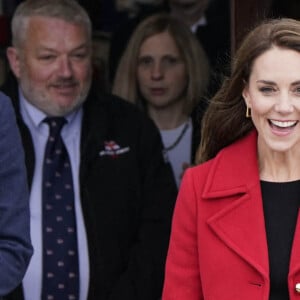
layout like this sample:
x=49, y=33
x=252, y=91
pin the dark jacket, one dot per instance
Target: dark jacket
x=127, y=199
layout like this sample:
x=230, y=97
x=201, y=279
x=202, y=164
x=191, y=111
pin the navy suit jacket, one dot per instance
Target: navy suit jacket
x=15, y=244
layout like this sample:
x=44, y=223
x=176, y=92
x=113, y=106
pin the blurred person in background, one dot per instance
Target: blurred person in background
x=209, y=20
x=165, y=72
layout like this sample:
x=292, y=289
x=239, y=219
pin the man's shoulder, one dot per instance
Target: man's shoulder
x=116, y=103
x=114, y=118
x=115, y=107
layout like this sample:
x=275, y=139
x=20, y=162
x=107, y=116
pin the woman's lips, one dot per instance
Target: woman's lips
x=157, y=91
x=282, y=127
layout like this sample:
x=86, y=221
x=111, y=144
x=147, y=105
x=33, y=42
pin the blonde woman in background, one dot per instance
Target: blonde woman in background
x=165, y=72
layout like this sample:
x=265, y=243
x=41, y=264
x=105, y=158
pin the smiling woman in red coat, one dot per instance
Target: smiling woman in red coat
x=235, y=233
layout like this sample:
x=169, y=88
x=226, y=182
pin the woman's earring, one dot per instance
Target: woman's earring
x=248, y=112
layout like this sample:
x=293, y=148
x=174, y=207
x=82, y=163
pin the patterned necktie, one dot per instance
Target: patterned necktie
x=60, y=257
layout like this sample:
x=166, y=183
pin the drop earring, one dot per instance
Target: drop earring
x=248, y=112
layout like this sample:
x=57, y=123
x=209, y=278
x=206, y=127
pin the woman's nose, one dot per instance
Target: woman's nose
x=156, y=71
x=284, y=103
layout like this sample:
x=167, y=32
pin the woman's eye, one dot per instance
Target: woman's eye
x=297, y=90
x=145, y=61
x=170, y=61
x=266, y=89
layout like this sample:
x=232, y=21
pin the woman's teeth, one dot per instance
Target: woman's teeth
x=283, y=124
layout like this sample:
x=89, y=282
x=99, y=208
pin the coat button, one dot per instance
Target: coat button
x=297, y=287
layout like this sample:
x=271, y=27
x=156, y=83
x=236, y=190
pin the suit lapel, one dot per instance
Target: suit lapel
x=234, y=182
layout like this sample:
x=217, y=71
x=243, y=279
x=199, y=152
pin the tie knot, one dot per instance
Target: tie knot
x=55, y=124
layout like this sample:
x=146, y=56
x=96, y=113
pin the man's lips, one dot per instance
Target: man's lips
x=64, y=85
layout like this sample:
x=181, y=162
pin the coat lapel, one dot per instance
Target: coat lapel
x=295, y=252
x=234, y=182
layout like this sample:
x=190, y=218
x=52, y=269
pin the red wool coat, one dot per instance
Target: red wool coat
x=218, y=247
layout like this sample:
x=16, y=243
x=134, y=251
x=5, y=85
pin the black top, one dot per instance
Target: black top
x=281, y=202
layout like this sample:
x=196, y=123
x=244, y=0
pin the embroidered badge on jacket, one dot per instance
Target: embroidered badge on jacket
x=111, y=148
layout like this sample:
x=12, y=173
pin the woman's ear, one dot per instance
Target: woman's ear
x=246, y=96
